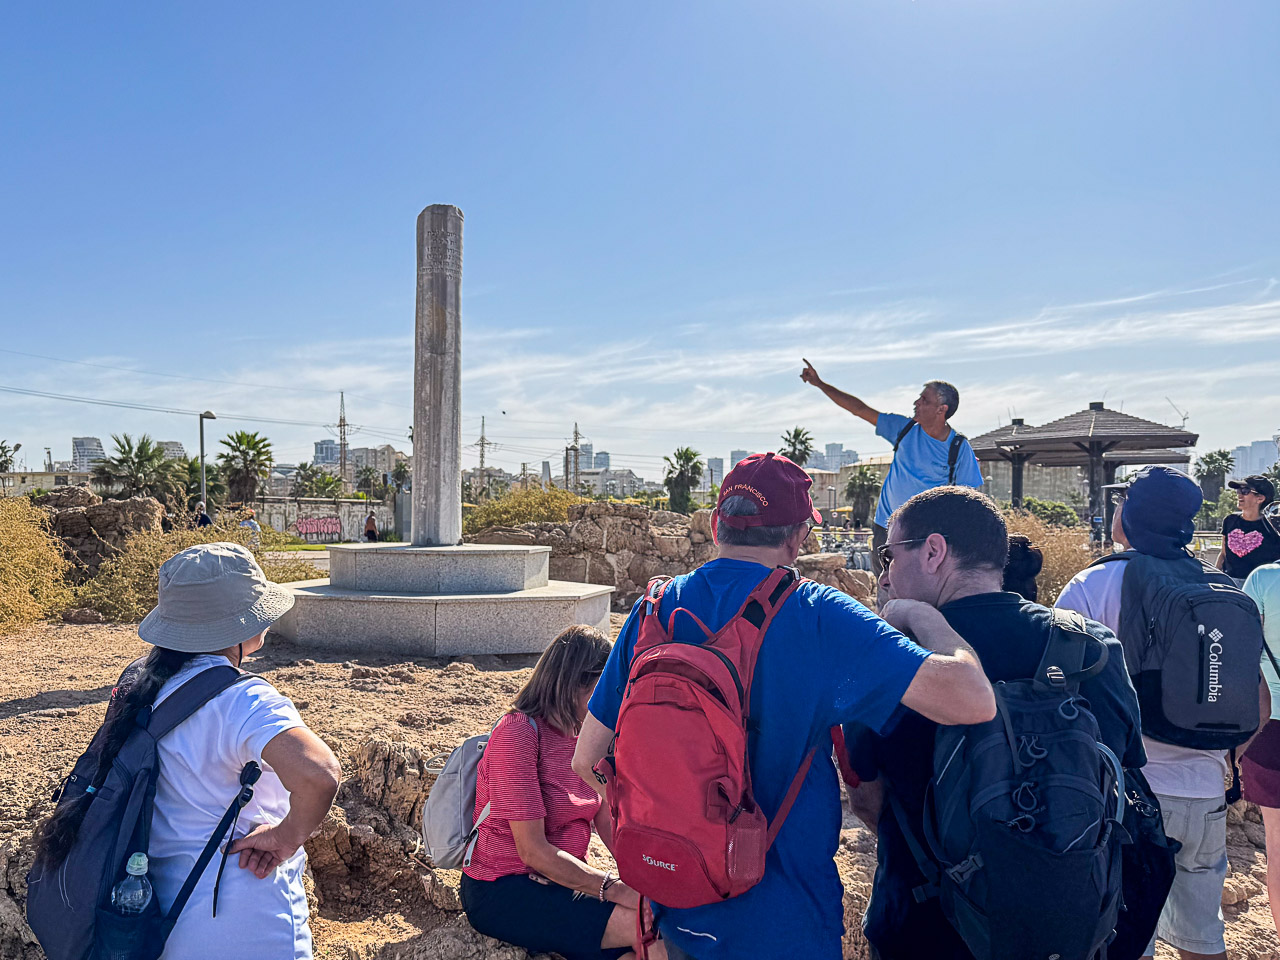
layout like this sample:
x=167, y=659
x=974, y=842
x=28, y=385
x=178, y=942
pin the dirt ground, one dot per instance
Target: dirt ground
x=374, y=897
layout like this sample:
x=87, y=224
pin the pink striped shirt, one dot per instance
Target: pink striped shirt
x=526, y=774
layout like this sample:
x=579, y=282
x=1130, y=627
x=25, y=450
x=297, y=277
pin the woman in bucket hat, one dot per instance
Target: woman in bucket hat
x=215, y=607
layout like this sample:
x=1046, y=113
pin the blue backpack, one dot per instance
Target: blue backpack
x=1023, y=815
x=69, y=906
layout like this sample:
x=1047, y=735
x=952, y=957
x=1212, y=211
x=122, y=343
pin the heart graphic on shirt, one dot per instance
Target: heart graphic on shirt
x=1242, y=543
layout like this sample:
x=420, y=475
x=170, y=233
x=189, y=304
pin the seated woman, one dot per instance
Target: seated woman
x=528, y=883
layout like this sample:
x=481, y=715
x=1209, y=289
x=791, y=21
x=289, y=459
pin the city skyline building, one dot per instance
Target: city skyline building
x=1254, y=458
x=601, y=461
x=326, y=451
x=85, y=452
x=173, y=450
x=736, y=456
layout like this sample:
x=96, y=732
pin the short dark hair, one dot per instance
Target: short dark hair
x=970, y=522
x=750, y=536
x=573, y=660
x=947, y=394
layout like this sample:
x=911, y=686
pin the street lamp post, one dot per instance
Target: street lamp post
x=204, y=493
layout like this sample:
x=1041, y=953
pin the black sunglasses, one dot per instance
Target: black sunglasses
x=886, y=555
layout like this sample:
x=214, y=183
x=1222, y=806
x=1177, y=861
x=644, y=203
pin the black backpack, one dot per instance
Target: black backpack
x=1023, y=815
x=1193, y=644
x=1147, y=868
x=69, y=907
x=953, y=452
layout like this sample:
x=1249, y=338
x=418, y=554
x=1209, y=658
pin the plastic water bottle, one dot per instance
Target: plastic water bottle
x=131, y=895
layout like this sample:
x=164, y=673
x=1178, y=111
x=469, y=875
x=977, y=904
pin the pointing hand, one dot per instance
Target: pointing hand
x=810, y=375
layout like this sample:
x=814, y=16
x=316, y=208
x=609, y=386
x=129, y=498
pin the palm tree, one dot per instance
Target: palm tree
x=246, y=462
x=797, y=446
x=366, y=478
x=861, y=492
x=7, y=454
x=215, y=487
x=400, y=474
x=304, y=479
x=139, y=469
x=1211, y=470
x=684, y=472
x=326, y=485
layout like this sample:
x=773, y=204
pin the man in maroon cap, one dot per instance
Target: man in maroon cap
x=825, y=660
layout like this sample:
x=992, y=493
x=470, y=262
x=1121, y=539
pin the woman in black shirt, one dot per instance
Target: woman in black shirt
x=1249, y=539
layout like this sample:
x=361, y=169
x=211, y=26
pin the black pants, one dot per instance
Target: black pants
x=541, y=917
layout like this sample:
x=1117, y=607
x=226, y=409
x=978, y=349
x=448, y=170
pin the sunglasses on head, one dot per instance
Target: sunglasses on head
x=885, y=551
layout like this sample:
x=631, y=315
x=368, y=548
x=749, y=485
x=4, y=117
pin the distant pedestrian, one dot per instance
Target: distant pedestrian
x=370, y=528
x=202, y=518
x=927, y=453
x=1248, y=538
x=254, y=528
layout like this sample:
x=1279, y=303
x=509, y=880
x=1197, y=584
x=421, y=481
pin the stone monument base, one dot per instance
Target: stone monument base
x=439, y=601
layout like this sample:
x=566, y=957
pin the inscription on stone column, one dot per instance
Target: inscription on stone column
x=443, y=254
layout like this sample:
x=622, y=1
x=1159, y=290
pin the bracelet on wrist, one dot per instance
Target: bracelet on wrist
x=607, y=881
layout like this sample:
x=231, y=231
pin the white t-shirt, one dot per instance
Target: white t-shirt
x=200, y=764
x=1263, y=585
x=1171, y=770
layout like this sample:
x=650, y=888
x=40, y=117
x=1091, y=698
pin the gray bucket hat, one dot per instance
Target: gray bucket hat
x=212, y=596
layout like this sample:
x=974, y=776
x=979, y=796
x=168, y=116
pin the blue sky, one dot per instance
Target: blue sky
x=667, y=205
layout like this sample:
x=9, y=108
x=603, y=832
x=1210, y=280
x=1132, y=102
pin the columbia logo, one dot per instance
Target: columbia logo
x=657, y=863
x=1215, y=635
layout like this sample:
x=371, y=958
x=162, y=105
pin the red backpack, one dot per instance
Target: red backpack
x=686, y=828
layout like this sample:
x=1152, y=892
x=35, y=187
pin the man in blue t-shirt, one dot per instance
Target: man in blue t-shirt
x=927, y=453
x=826, y=660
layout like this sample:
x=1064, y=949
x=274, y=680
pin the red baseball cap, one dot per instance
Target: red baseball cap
x=779, y=488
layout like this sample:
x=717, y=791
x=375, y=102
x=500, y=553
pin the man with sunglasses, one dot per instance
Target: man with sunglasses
x=825, y=660
x=947, y=547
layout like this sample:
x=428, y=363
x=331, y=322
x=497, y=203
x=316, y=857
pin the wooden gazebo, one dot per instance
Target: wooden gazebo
x=1099, y=439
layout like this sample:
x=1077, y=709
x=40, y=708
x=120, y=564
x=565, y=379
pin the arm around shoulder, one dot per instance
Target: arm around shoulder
x=950, y=686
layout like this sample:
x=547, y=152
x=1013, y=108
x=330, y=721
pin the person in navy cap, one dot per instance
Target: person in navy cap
x=826, y=660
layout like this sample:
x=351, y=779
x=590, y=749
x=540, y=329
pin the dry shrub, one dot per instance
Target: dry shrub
x=127, y=586
x=1066, y=550
x=32, y=567
x=521, y=506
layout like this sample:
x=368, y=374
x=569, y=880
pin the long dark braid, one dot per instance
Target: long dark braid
x=57, y=834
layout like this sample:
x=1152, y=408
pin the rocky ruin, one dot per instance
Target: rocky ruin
x=624, y=545
x=93, y=530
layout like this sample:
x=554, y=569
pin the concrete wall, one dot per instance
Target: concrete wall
x=324, y=521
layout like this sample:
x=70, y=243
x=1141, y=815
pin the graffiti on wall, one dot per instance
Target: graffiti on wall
x=318, y=527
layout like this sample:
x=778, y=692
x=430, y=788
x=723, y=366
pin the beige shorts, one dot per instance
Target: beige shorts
x=1192, y=916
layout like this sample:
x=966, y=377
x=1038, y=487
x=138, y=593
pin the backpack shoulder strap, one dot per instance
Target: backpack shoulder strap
x=953, y=455
x=191, y=696
x=649, y=613
x=902, y=434
x=1063, y=663
x=1125, y=555
x=759, y=609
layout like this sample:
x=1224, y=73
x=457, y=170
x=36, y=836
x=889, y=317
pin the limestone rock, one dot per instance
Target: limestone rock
x=66, y=497
x=459, y=941
x=93, y=530
x=820, y=563
x=393, y=776
x=82, y=615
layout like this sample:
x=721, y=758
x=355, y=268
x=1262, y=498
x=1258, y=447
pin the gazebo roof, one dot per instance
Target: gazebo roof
x=1066, y=442
x=1111, y=428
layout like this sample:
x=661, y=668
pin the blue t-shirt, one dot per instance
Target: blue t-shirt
x=826, y=660
x=920, y=464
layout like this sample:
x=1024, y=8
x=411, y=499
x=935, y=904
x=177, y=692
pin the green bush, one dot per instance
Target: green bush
x=1051, y=511
x=127, y=586
x=32, y=566
x=515, y=507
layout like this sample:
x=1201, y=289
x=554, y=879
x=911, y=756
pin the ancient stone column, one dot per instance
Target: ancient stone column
x=437, y=380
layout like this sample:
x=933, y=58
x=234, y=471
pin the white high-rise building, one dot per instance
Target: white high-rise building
x=1254, y=458
x=85, y=452
x=715, y=471
x=173, y=449
x=736, y=457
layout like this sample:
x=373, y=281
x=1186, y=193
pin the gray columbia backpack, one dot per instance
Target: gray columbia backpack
x=69, y=906
x=450, y=827
x=1192, y=642
x=1023, y=815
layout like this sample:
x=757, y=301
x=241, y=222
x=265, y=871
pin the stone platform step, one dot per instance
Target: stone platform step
x=327, y=617
x=466, y=568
